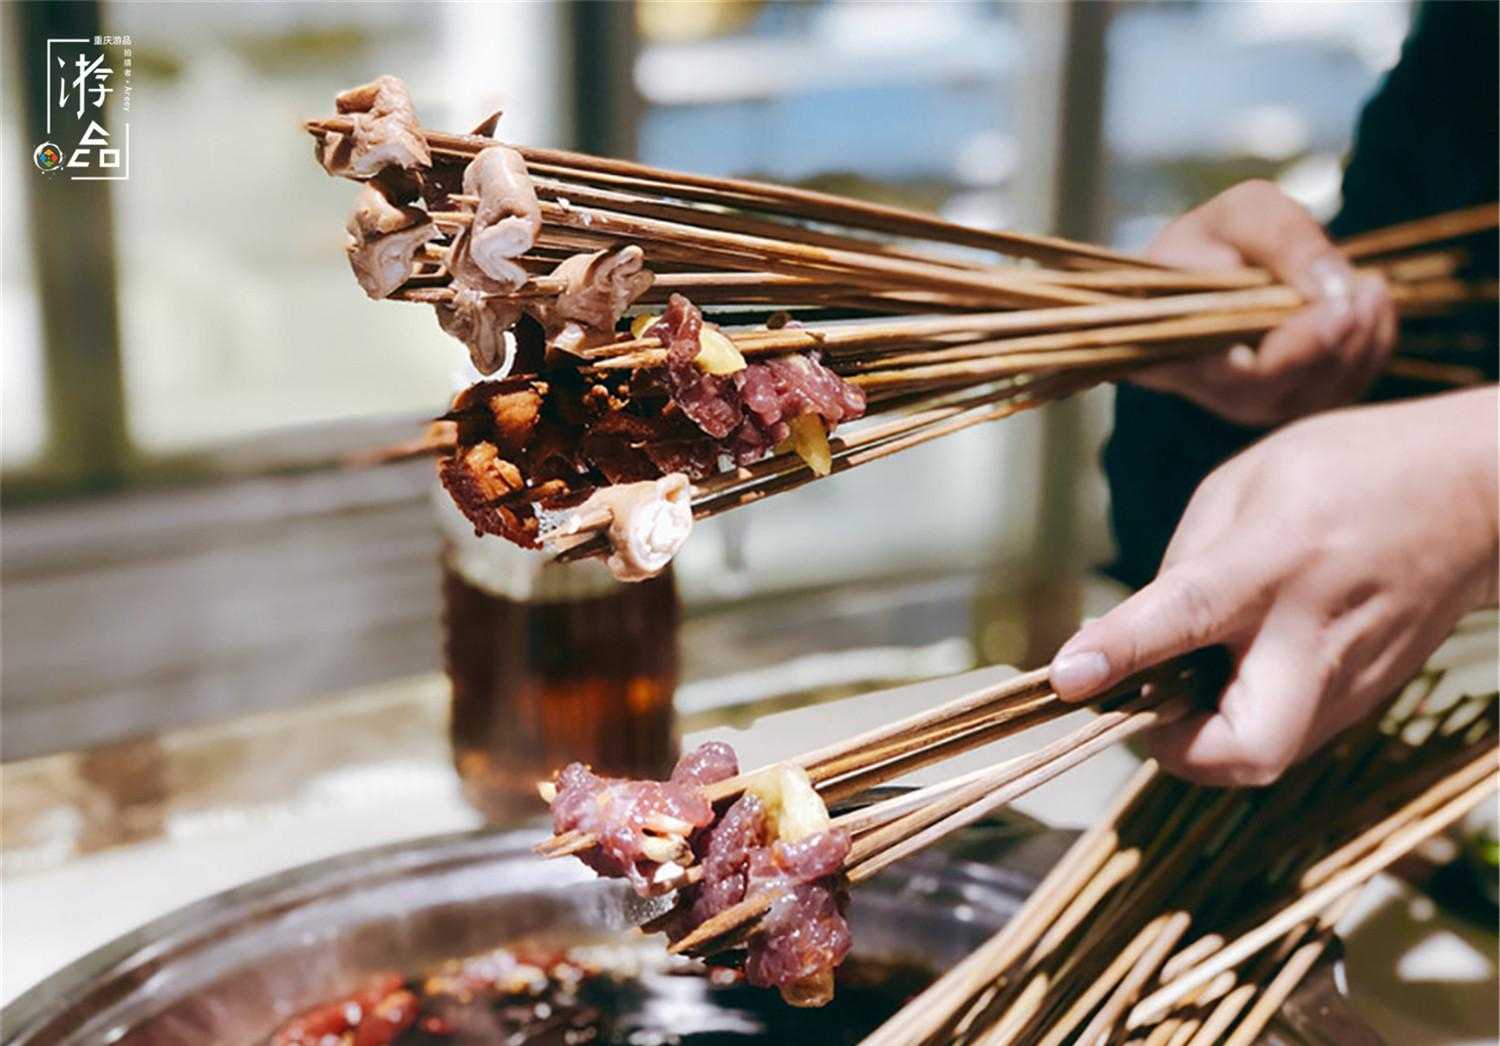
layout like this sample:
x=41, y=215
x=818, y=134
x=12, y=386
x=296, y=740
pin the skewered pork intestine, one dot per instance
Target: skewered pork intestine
x=775, y=838
x=507, y=217
x=386, y=131
x=506, y=221
x=483, y=323
x=597, y=288
x=648, y=523
x=384, y=238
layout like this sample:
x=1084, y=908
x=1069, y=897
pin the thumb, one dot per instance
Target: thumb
x=1185, y=609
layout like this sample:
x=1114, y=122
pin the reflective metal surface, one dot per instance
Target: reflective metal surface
x=229, y=969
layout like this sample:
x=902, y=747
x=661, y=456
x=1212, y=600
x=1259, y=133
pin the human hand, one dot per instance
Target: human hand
x=1330, y=559
x=1325, y=355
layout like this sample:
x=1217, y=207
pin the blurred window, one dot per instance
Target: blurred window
x=22, y=390
x=237, y=311
x=1200, y=96
x=238, y=314
x=907, y=102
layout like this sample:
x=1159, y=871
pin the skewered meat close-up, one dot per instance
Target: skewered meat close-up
x=506, y=219
x=774, y=840
x=557, y=281
x=385, y=237
x=385, y=131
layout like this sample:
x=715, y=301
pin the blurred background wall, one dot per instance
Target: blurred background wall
x=185, y=358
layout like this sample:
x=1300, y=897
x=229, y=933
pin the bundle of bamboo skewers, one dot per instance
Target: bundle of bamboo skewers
x=940, y=326
x=1188, y=915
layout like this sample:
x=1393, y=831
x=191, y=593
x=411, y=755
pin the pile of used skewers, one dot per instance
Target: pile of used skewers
x=1189, y=915
x=611, y=413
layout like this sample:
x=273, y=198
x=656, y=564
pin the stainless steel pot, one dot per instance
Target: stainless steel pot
x=227, y=970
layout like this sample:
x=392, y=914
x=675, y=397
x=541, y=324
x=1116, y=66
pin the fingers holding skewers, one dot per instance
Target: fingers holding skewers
x=1304, y=559
x=1324, y=355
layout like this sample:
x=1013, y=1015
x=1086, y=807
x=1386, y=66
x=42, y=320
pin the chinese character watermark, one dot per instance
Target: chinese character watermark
x=85, y=137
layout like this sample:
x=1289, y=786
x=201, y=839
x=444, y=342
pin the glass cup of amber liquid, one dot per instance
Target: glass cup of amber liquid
x=551, y=664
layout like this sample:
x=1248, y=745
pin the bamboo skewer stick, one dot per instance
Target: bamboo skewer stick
x=905, y=760
x=1231, y=1004
x=873, y=853
x=913, y=732
x=1314, y=901
x=1474, y=771
x=647, y=351
x=736, y=192
x=1163, y=858
x=1126, y=992
x=567, y=194
x=1299, y=951
x=1440, y=374
x=805, y=259
x=1209, y=325
x=1023, y=687
x=1452, y=225
x=961, y=807
x=922, y=1018
x=1094, y=994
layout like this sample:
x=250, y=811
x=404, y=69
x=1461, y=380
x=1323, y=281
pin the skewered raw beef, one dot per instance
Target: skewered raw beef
x=776, y=838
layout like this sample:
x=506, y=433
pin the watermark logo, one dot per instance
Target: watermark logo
x=47, y=157
x=89, y=87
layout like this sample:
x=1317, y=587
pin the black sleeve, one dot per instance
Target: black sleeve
x=1428, y=139
x=1426, y=142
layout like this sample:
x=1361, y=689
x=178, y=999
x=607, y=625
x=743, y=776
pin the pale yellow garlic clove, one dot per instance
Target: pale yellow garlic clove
x=793, y=808
x=717, y=354
x=810, y=440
